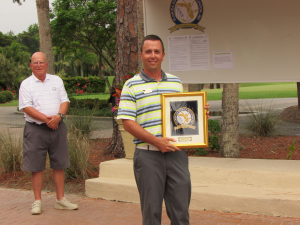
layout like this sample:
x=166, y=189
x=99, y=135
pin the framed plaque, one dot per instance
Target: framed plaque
x=184, y=119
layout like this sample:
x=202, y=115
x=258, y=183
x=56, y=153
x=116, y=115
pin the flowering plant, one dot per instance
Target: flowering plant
x=118, y=90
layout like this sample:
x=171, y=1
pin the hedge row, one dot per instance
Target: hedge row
x=88, y=103
x=6, y=96
x=84, y=84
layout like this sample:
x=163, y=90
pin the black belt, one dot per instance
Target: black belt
x=34, y=123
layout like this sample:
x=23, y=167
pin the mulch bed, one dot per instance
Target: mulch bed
x=251, y=147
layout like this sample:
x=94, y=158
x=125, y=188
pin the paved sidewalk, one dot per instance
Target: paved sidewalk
x=15, y=209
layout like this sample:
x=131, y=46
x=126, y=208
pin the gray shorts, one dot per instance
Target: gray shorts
x=40, y=139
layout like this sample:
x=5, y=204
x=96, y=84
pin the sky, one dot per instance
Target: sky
x=17, y=18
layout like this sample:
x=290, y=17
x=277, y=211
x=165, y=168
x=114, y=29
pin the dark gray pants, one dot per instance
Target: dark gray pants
x=38, y=141
x=163, y=176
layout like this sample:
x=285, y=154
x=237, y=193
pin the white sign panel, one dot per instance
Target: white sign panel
x=262, y=34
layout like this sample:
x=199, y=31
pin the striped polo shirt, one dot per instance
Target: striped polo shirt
x=141, y=101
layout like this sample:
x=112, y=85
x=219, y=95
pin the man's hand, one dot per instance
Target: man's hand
x=207, y=112
x=164, y=145
x=53, y=121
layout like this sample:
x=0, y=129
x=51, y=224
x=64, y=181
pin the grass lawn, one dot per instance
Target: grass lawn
x=12, y=103
x=90, y=96
x=258, y=91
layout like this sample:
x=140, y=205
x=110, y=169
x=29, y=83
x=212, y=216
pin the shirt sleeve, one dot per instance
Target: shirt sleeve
x=127, y=106
x=25, y=99
x=62, y=92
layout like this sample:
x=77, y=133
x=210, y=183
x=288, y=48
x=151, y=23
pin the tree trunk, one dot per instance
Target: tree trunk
x=42, y=7
x=81, y=67
x=195, y=87
x=298, y=94
x=126, y=58
x=103, y=77
x=73, y=69
x=229, y=146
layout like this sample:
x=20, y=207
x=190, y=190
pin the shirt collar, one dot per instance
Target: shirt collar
x=36, y=79
x=146, y=78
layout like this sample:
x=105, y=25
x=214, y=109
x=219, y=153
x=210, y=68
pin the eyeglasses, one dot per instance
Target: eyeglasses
x=36, y=63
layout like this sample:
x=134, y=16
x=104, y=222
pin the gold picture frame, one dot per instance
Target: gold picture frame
x=184, y=118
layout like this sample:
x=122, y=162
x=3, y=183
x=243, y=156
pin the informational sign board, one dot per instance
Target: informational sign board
x=232, y=41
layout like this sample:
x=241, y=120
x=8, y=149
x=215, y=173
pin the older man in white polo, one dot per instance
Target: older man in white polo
x=44, y=101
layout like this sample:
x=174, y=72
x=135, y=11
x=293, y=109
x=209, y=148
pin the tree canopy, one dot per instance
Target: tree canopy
x=14, y=64
x=30, y=38
x=88, y=24
x=6, y=39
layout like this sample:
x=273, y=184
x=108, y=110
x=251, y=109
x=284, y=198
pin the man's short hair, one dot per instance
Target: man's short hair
x=152, y=37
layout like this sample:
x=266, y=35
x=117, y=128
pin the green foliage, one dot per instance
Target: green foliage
x=92, y=24
x=214, y=126
x=2, y=98
x=291, y=149
x=81, y=114
x=213, y=142
x=11, y=148
x=8, y=95
x=200, y=151
x=30, y=38
x=262, y=120
x=79, y=151
x=84, y=84
x=6, y=39
x=18, y=1
x=87, y=103
x=213, y=139
x=104, y=112
x=14, y=66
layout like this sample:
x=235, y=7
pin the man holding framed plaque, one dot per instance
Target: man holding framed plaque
x=160, y=168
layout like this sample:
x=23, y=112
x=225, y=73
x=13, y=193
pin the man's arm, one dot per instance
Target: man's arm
x=163, y=144
x=33, y=113
x=55, y=119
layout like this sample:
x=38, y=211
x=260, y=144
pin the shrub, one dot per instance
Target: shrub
x=106, y=112
x=80, y=119
x=11, y=148
x=214, y=126
x=213, y=140
x=79, y=151
x=8, y=95
x=262, y=120
x=2, y=98
x=84, y=84
x=88, y=103
x=200, y=151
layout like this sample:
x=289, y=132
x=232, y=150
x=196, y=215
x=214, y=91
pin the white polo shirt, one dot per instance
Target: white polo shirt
x=46, y=97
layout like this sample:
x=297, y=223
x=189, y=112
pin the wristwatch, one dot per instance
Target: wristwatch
x=61, y=115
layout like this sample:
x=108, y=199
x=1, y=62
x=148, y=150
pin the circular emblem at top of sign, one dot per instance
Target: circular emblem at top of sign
x=184, y=116
x=186, y=11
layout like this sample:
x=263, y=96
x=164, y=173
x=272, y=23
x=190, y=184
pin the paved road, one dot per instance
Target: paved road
x=9, y=117
x=104, y=126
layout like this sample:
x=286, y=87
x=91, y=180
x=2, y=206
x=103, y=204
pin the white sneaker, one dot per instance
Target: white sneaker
x=36, y=207
x=65, y=204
